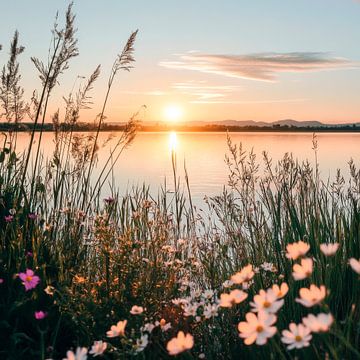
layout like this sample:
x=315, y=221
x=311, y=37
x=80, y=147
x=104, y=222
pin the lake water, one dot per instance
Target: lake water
x=148, y=160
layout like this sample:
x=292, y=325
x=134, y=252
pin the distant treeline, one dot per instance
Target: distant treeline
x=6, y=126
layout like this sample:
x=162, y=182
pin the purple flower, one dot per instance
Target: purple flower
x=109, y=200
x=30, y=280
x=9, y=218
x=32, y=216
x=29, y=254
x=1, y=280
x=39, y=315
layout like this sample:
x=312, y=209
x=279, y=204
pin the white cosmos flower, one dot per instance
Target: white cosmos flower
x=148, y=327
x=235, y=297
x=136, y=310
x=329, y=249
x=312, y=296
x=80, y=354
x=280, y=291
x=355, y=265
x=208, y=294
x=304, y=270
x=117, y=330
x=142, y=343
x=180, y=343
x=190, y=309
x=211, y=310
x=245, y=274
x=297, y=249
x=227, y=283
x=257, y=328
x=318, y=323
x=98, y=348
x=298, y=337
x=266, y=301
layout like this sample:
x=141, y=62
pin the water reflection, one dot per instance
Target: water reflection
x=173, y=142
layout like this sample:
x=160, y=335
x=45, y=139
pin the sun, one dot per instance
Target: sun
x=173, y=113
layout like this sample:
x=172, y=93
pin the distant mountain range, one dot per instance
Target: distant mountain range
x=286, y=122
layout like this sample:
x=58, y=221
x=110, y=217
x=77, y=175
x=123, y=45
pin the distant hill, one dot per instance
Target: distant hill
x=285, y=122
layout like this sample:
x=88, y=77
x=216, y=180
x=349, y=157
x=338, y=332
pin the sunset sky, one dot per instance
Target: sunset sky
x=209, y=60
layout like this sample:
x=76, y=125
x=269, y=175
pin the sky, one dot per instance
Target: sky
x=203, y=60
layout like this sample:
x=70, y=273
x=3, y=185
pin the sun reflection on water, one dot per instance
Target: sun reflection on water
x=173, y=142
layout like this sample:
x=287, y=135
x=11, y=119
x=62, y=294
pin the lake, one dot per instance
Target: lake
x=148, y=160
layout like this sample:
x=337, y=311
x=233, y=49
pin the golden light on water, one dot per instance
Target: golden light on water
x=173, y=143
x=173, y=113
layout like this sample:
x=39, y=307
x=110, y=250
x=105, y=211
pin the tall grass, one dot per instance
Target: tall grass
x=96, y=258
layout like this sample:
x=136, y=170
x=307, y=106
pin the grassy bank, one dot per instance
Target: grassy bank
x=152, y=277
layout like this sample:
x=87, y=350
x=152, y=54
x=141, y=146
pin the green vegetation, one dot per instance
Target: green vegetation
x=74, y=266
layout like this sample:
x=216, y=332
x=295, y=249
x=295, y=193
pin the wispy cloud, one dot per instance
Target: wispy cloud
x=249, y=102
x=263, y=66
x=203, y=91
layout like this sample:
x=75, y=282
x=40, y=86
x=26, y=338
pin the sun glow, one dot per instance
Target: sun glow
x=173, y=113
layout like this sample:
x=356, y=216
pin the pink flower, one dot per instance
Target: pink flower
x=9, y=218
x=39, y=315
x=32, y=216
x=109, y=200
x=30, y=281
x=1, y=280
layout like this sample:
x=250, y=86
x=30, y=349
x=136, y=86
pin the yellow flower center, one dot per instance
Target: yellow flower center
x=259, y=329
x=28, y=278
x=267, y=304
x=162, y=322
x=298, y=338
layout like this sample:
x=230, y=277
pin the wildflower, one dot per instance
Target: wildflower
x=244, y=274
x=49, y=290
x=39, y=315
x=136, y=310
x=190, y=309
x=312, y=296
x=163, y=325
x=142, y=343
x=355, y=265
x=329, y=249
x=228, y=283
x=297, y=249
x=98, y=348
x=266, y=301
x=180, y=343
x=80, y=354
x=181, y=241
x=109, y=200
x=268, y=267
x=201, y=356
x=257, y=328
x=79, y=279
x=281, y=291
x=208, y=294
x=32, y=216
x=29, y=254
x=30, y=281
x=1, y=280
x=210, y=310
x=117, y=330
x=8, y=218
x=298, y=337
x=319, y=323
x=235, y=297
x=304, y=270
x=148, y=327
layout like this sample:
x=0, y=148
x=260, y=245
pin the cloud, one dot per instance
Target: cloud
x=247, y=102
x=262, y=66
x=204, y=92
